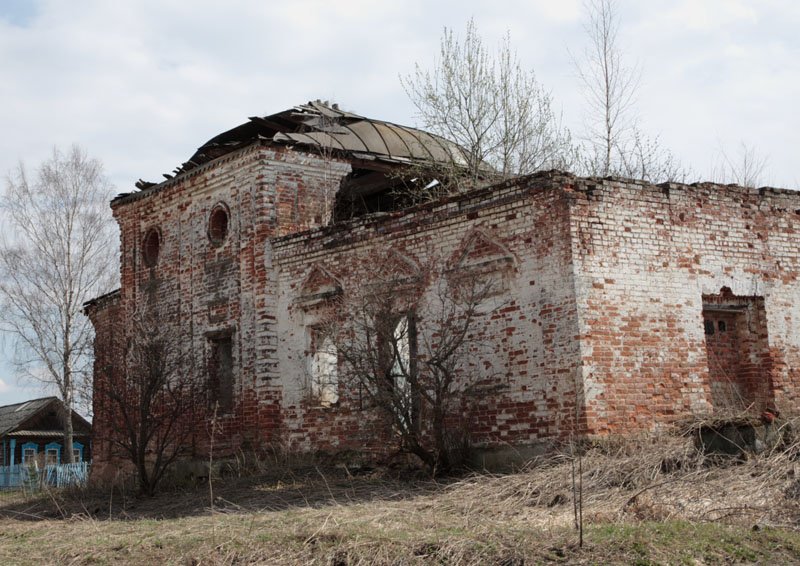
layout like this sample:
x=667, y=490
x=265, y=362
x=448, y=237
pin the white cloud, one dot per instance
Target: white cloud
x=709, y=15
x=142, y=84
x=12, y=391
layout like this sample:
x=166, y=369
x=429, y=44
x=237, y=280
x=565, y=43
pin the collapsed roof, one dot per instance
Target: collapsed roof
x=319, y=125
x=375, y=149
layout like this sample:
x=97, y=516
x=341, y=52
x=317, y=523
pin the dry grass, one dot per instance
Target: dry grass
x=644, y=502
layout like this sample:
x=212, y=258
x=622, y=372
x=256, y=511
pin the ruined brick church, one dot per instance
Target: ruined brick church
x=625, y=305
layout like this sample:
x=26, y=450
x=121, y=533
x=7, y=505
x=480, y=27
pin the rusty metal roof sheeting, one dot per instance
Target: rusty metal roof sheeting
x=323, y=126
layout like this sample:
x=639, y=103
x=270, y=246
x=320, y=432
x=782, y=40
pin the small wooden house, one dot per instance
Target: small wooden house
x=32, y=431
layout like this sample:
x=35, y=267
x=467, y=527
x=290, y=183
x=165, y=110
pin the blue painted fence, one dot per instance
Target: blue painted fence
x=34, y=478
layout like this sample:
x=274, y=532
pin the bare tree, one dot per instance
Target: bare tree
x=745, y=168
x=609, y=85
x=614, y=143
x=322, y=125
x=153, y=403
x=55, y=253
x=644, y=157
x=405, y=343
x=490, y=105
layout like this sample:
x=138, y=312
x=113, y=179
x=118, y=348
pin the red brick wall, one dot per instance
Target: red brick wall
x=201, y=289
x=528, y=346
x=644, y=258
x=106, y=318
x=724, y=368
x=601, y=320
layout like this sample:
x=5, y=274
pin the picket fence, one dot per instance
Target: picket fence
x=33, y=478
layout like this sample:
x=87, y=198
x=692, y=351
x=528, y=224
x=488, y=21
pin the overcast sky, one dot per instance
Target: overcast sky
x=142, y=84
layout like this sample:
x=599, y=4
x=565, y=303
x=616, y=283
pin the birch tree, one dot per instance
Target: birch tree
x=613, y=143
x=609, y=85
x=56, y=252
x=489, y=104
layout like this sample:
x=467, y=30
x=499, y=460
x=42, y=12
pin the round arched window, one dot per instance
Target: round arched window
x=218, y=224
x=151, y=247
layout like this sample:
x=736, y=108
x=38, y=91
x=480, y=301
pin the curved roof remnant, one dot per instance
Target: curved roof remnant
x=323, y=126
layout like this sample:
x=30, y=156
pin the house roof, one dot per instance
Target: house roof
x=44, y=434
x=14, y=416
x=322, y=126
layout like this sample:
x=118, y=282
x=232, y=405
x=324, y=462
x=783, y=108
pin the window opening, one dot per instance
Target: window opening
x=151, y=247
x=77, y=452
x=402, y=372
x=324, y=369
x=220, y=373
x=401, y=364
x=218, y=225
x=28, y=456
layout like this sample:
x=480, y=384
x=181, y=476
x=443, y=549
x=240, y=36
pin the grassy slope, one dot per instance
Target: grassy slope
x=370, y=533
x=636, y=510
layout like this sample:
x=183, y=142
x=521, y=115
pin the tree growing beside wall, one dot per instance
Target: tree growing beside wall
x=613, y=143
x=56, y=252
x=486, y=102
x=745, y=167
x=153, y=403
x=407, y=342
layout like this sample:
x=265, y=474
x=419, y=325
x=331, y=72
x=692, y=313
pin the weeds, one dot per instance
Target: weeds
x=645, y=501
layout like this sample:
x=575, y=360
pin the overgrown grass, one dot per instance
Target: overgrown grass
x=328, y=537
x=645, y=502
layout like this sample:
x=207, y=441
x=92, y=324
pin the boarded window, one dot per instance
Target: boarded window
x=220, y=373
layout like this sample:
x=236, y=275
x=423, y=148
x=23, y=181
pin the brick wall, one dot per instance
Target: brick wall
x=528, y=347
x=600, y=327
x=203, y=290
x=645, y=257
x=106, y=318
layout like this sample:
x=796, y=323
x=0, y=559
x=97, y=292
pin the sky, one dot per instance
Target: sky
x=141, y=84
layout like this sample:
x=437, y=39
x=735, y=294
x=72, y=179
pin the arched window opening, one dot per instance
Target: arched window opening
x=151, y=247
x=218, y=225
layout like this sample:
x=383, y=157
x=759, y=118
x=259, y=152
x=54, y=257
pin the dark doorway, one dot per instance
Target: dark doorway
x=738, y=353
